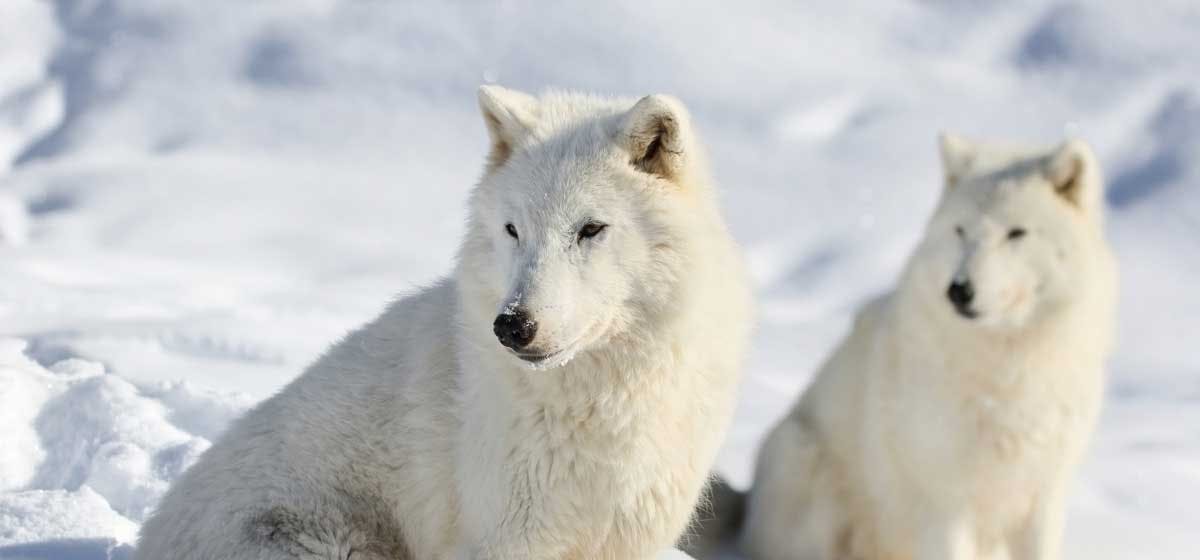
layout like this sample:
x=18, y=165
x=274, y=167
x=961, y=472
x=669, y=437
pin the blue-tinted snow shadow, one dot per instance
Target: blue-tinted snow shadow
x=68, y=549
x=1173, y=130
x=88, y=28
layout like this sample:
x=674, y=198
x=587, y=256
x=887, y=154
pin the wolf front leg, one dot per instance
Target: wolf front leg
x=1040, y=537
x=793, y=509
x=516, y=551
x=948, y=537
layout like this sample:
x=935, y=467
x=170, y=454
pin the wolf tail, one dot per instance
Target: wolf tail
x=716, y=522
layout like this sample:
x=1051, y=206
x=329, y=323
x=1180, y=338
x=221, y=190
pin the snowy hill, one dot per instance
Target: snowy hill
x=196, y=202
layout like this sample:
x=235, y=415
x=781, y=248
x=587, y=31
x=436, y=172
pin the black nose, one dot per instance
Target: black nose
x=961, y=293
x=514, y=329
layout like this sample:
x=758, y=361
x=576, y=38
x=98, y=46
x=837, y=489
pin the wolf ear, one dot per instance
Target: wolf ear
x=957, y=156
x=1072, y=171
x=509, y=115
x=655, y=132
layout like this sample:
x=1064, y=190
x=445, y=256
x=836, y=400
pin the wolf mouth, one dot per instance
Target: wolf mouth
x=549, y=360
x=538, y=358
x=564, y=354
x=966, y=312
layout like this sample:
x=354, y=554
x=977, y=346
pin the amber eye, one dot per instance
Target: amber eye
x=512, y=230
x=591, y=229
x=1016, y=233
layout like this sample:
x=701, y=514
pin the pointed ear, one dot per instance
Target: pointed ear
x=656, y=132
x=1074, y=174
x=957, y=156
x=510, y=116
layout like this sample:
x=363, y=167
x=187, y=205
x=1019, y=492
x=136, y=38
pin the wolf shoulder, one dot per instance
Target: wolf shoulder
x=322, y=440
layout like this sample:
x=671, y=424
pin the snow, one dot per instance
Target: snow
x=94, y=441
x=41, y=515
x=194, y=203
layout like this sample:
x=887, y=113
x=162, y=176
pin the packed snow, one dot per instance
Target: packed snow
x=194, y=203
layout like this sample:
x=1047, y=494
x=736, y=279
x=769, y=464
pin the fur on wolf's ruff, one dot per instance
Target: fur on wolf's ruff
x=420, y=436
x=933, y=433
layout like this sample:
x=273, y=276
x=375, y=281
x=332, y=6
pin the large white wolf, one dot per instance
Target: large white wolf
x=947, y=424
x=561, y=396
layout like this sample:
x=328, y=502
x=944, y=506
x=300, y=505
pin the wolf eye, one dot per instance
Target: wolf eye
x=511, y=229
x=959, y=230
x=1016, y=233
x=590, y=230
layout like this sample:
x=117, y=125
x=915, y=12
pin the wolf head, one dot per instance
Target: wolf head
x=1013, y=237
x=577, y=223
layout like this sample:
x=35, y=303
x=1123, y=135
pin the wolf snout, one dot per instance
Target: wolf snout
x=961, y=293
x=514, y=328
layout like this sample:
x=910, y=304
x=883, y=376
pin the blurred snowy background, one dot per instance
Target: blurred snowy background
x=195, y=200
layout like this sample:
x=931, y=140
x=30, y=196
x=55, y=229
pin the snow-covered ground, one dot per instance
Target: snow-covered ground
x=194, y=202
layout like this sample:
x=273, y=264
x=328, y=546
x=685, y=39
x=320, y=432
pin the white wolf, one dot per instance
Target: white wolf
x=561, y=396
x=947, y=424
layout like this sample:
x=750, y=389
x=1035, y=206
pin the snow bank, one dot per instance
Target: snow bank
x=86, y=453
x=46, y=515
x=25, y=390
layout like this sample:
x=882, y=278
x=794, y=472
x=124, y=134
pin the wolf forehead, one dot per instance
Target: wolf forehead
x=560, y=118
x=561, y=127
x=992, y=187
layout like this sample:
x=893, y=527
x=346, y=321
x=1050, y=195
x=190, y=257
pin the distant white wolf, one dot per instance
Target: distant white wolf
x=949, y=421
x=561, y=396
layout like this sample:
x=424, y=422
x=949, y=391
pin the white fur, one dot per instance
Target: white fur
x=931, y=435
x=420, y=436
